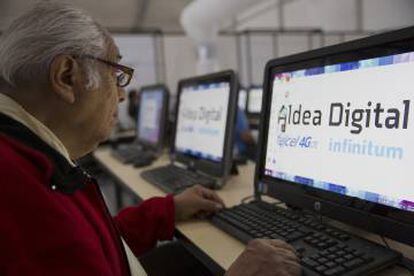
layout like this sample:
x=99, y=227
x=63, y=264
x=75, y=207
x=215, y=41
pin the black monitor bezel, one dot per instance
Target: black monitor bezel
x=216, y=169
x=254, y=115
x=380, y=219
x=164, y=115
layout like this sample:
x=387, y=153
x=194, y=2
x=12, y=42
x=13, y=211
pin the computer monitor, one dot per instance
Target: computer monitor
x=206, y=110
x=152, y=115
x=254, y=100
x=242, y=101
x=337, y=133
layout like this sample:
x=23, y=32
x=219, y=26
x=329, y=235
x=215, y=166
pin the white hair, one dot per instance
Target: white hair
x=34, y=39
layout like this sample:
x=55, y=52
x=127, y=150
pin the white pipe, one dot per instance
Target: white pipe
x=202, y=20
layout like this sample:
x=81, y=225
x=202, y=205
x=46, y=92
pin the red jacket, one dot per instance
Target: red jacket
x=55, y=222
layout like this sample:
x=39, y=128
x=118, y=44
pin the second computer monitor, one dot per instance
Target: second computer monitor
x=254, y=101
x=206, y=109
x=152, y=114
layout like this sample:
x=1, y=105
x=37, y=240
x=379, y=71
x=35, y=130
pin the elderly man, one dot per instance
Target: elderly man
x=60, y=83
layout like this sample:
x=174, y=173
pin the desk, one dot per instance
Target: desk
x=219, y=246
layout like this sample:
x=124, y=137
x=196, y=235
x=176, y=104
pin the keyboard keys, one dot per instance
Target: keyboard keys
x=322, y=245
x=172, y=179
x=348, y=257
x=299, y=249
x=309, y=262
x=321, y=268
x=330, y=264
x=353, y=263
x=294, y=236
x=323, y=260
x=341, y=246
x=334, y=271
x=332, y=256
x=275, y=236
x=339, y=260
x=367, y=259
x=358, y=253
x=321, y=251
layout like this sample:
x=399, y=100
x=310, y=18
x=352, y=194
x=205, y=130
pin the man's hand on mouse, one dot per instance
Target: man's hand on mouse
x=196, y=201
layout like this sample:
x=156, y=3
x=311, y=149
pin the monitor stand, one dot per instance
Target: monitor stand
x=234, y=168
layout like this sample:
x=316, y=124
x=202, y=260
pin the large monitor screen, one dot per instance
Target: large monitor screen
x=202, y=120
x=346, y=128
x=254, y=103
x=150, y=115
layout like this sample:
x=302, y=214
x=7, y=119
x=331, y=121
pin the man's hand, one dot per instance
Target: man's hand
x=196, y=201
x=266, y=258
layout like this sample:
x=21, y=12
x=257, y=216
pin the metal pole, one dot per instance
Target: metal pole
x=239, y=57
x=275, y=43
x=359, y=6
x=281, y=14
x=159, y=57
x=249, y=59
x=310, y=41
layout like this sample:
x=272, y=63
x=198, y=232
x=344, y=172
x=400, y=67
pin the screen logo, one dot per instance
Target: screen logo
x=344, y=115
x=282, y=118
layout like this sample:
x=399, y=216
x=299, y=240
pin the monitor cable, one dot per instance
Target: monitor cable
x=385, y=242
x=405, y=263
x=247, y=199
x=251, y=198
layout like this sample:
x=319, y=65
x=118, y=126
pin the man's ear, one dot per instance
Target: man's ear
x=63, y=74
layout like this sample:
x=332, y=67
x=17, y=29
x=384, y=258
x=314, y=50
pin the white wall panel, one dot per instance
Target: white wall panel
x=180, y=59
x=386, y=14
x=138, y=53
x=226, y=52
x=292, y=43
x=261, y=53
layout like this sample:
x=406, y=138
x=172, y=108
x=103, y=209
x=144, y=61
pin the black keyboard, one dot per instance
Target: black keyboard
x=172, y=179
x=132, y=154
x=322, y=249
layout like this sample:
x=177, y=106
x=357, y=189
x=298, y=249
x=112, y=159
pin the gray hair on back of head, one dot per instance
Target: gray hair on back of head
x=34, y=39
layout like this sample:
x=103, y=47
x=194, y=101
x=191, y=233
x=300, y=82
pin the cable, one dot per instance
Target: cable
x=385, y=242
x=402, y=263
x=245, y=199
x=406, y=266
x=278, y=203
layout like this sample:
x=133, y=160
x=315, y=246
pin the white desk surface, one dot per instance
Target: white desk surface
x=221, y=247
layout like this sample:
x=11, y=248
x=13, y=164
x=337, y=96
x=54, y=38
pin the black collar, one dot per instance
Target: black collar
x=65, y=179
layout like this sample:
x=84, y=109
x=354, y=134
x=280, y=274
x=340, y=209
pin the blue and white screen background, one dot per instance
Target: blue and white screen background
x=150, y=112
x=202, y=119
x=346, y=128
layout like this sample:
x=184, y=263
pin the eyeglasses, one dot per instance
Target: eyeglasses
x=123, y=73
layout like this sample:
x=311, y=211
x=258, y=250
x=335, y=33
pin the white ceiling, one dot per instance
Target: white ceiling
x=119, y=14
x=336, y=15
